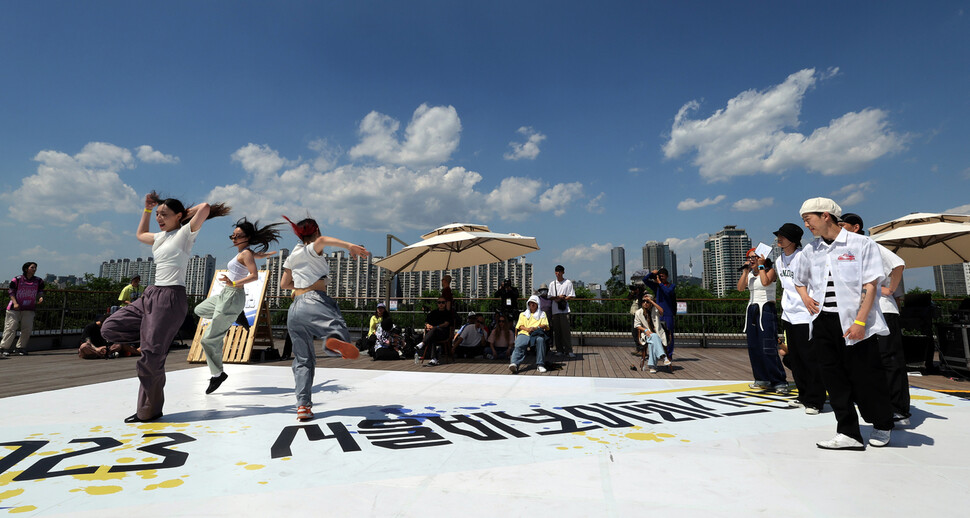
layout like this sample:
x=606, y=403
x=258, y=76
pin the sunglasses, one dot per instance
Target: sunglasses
x=235, y=237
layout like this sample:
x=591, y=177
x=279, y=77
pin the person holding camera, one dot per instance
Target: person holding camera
x=560, y=291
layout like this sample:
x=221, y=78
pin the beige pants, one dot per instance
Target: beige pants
x=17, y=319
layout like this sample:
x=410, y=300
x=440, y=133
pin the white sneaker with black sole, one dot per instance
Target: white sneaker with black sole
x=879, y=438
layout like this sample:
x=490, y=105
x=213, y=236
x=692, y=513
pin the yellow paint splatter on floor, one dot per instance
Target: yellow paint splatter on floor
x=126, y=460
x=168, y=484
x=102, y=475
x=562, y=447
x=938, y=404
x=24, y=509
x=10, y=494
x=98, y=490
x=921, y=397
x=658, y=437
x=6, y=478
x=147, y=474
x=253, y=467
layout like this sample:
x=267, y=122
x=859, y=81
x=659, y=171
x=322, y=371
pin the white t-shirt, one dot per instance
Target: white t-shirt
x=889, y=262
x=470, y=335
x=793, y=310
x=171, y=251
x=556, y=289
x=306, y=265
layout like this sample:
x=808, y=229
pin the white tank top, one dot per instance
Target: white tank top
x=237, y=270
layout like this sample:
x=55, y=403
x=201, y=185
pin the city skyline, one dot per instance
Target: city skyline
x=586, y=126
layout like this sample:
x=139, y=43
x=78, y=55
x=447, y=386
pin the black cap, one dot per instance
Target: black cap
x=791, y=232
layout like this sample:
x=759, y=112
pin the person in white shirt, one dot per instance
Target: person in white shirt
x=313, y=313
x=800, y=354
x=759, y=325
x=154, y=318
x=837, y=280
x=891, y=345
x=560, y=291
x=224, y=307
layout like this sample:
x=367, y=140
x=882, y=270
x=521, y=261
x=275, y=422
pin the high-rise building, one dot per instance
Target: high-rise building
x=274, y=270
x=618, y=260
x=723, y=256
x=659, y=255
x=952, y=280
x=198, y=275
x=119, y=270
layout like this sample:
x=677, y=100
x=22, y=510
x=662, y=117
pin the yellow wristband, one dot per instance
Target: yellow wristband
x=861, y=323
x=233, y=284
x=148, y=211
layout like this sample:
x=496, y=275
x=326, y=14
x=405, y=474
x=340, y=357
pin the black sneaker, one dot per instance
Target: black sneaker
x=215, y=382
x=21, y=352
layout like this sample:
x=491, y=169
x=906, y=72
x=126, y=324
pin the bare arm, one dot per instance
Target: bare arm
x=810, y=303
x=142, y=234
x=895, y=277
x=856, y=331
x=765, y=275
x=249, y=262
x=743, y=281
x=286, y=280
x=324, y=241
x=199, y=214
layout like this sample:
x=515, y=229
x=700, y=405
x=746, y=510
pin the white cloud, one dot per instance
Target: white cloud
x=326, y=154
x=852, y=194
x=67, y=186
x=99, y=234
x=151, y=156
x=430, y=138
x=748, y=135
x=691, y=203
x=526, y=150
x=53, y=261
x=260, y=161
x=591, y=252
x=595, y=205
x=749, y=204
x=560, y=197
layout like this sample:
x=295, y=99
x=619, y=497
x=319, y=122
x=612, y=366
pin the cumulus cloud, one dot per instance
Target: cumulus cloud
x=529, y=149
x=749, y=204
x=385, y=197
x=591, y=252
x=852, y=194
x=749, y=135
x=149, y=155
x=430, y=138
x=691, y=203
x=66, y=186
x=99, y=234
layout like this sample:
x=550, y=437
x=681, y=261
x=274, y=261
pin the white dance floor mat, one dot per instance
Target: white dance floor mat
x=390, y=443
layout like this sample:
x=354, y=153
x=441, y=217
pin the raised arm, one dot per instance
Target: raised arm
x=198, y=215
x=143, y=233
x=324, y=241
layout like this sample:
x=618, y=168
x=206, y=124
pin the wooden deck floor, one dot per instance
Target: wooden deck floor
x=61, y=368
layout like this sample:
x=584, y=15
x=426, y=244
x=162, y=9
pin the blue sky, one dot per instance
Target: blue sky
x=585, y=125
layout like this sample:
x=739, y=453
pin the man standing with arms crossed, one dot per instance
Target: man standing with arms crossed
x=837, y=280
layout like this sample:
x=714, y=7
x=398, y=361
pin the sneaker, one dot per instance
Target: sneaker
x=879, y=438
x=488, y=356
x=513, y=368
x=215, y=381
x=303, y=413
x=666, y=360
x=758, y=385
x=901, y=419
x=21, y=352
x=841, y=442
x=653, y=370
x=5, y=354
x=795, y=404
x=810, y=410
x=419, y=346
x=433, y=362
x=346, y=349
x=571, y=356
x=781, y=389
x=541, y=368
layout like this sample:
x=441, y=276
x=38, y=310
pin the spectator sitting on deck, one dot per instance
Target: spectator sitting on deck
x=470, y=341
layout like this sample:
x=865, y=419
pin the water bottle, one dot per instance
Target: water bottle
x=417, y=358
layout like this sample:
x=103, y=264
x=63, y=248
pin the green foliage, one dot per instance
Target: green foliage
x=615, y=286
x=690, y=291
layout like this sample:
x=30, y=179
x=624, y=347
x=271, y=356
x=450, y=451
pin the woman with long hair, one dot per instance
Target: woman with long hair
x=155, y=317
x=313, y=312
x=502, y=339
x=223, y=308
x=760, y=327
x=646, y=322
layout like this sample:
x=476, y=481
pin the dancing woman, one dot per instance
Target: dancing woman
x=155, y=317
x=313, y=312
x=224, y=307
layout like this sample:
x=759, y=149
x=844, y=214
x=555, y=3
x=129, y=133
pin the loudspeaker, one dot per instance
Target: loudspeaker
x=954, y=347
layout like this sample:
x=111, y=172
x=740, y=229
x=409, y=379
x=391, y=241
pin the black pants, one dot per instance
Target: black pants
x=803, y=362
x=894, y=364
x=853, y=375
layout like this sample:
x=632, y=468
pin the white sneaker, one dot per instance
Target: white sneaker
x=666, y=361
x=652, y=370
x=879, y=438
x=541, y=368
x=810, y=410
x=513, y=368
x=759, y=385
x=434, y=361
x=795, y=404
x=841, y=442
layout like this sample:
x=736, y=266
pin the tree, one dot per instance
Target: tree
x=615, y=287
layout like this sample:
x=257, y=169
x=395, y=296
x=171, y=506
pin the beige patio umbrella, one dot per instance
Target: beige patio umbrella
x=456, y=246
x=925, y=239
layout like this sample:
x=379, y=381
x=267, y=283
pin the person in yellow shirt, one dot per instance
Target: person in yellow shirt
x=530, y=331
x=130, y=292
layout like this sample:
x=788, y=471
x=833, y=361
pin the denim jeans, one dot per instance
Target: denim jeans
x=523, y=342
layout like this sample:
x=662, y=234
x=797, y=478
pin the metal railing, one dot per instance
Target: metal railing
x=706, y=322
